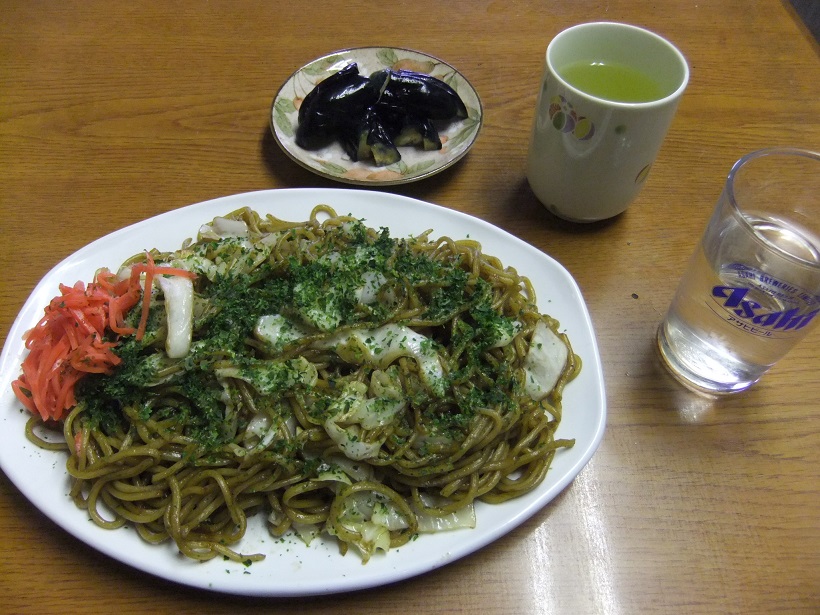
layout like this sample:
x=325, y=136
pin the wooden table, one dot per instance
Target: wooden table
x=111, y=113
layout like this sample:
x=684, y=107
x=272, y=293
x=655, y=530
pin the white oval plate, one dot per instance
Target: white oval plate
x=291, y=568
x=331, y=161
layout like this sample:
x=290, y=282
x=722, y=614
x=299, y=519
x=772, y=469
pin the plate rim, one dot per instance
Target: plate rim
x=80, y=528
x=365, y=182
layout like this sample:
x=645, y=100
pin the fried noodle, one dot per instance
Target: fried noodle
x=339, y=381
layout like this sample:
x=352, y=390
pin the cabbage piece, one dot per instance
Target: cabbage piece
x=224, y=227
x=324, y=301
x=504, y=333
x=321, y=304
x=270, y=377
x=277, y=331
x=435, y=441
x=462, y=518
x=271, y=239
x=276, y=517
x=262, y=430
x=368, y=292
x=337, y=466
x=179, y=311
x=353, y=414
x=545, y=361
x=388, y=516
x=238, y=256
x=358, y=517
x=387, y=343
x=373, y=537
x=307, y=531
x=386, y=383
x=198, y=264
x=258, y=426
x=228, y=255
x=319, y=308
x=332, y=473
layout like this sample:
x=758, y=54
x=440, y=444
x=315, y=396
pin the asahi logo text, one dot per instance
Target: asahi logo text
x=735, y=301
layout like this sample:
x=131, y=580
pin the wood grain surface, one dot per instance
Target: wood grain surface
x=112, y=112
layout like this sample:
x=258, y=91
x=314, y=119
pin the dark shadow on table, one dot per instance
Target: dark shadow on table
x=809, y=12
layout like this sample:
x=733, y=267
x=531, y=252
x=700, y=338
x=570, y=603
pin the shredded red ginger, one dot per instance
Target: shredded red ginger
x=69, y=342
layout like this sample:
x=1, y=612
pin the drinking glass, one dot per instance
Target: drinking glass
x=752, y=287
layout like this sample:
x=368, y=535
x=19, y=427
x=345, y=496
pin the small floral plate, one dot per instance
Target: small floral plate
x=332, y=162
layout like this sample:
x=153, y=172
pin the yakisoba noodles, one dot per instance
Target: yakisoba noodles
x=337, y=380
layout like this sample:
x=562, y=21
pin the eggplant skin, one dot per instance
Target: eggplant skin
x=425, y=95
x=329, y=106
x=371, y=116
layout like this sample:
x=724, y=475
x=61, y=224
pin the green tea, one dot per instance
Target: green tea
x=616, y=82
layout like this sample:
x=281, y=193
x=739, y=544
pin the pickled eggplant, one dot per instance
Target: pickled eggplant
x=378, y=143
x=425, y=95
x=420, y=132
x=329, y=106
x=372, y=116
x=371, y=139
